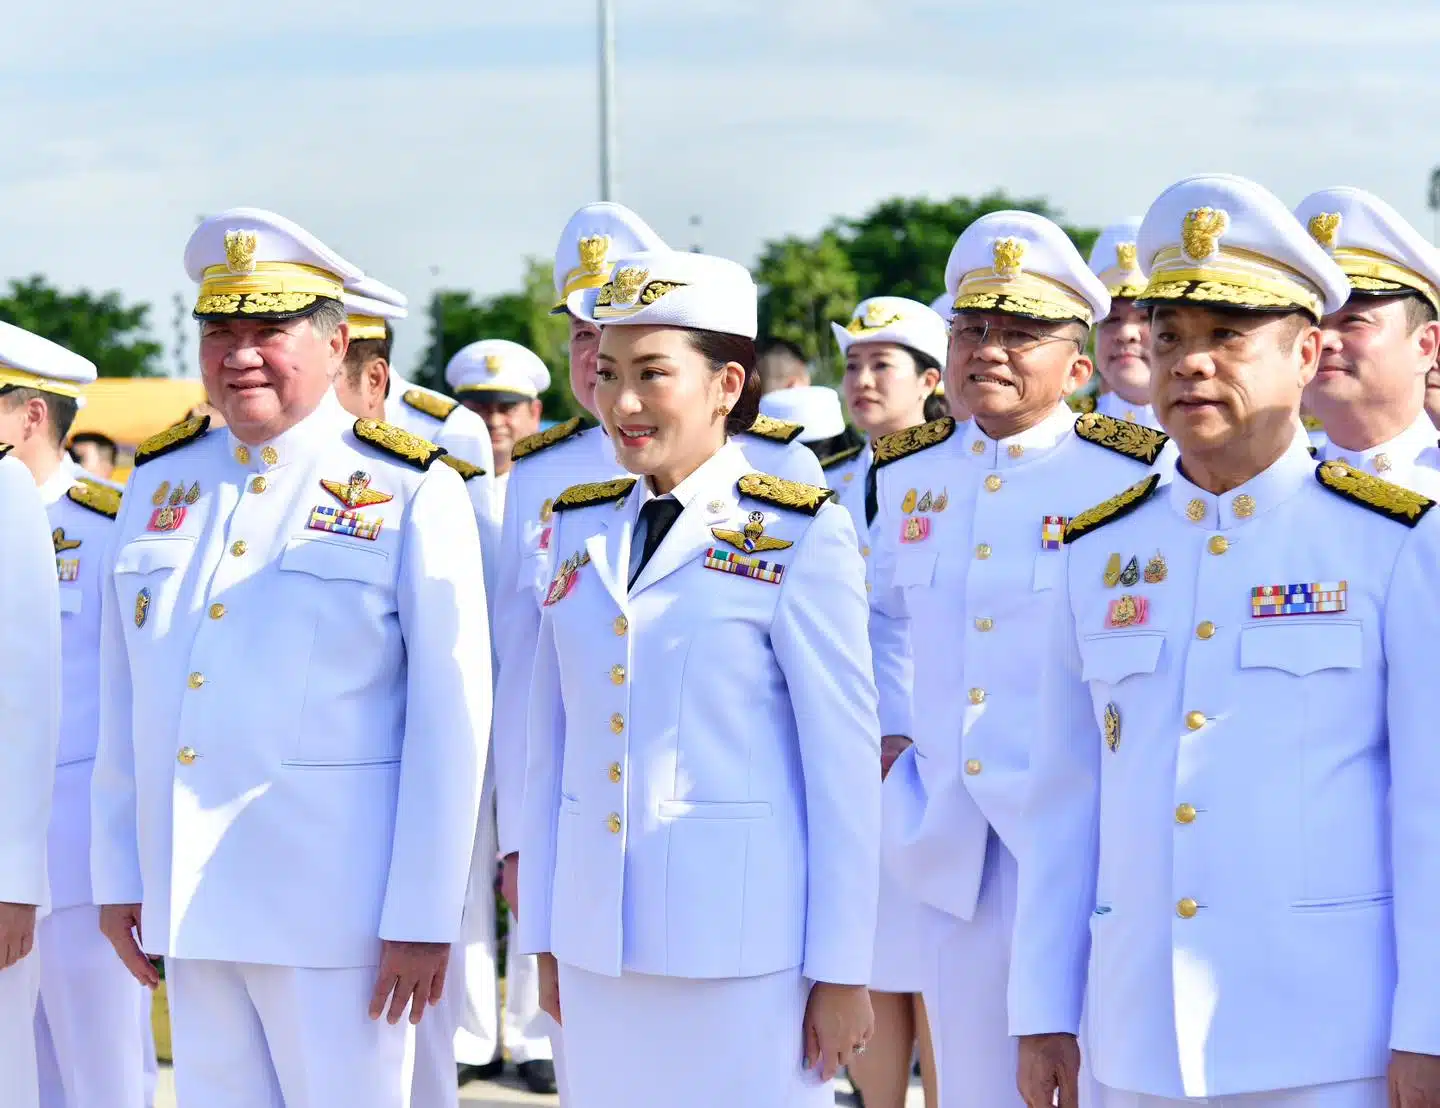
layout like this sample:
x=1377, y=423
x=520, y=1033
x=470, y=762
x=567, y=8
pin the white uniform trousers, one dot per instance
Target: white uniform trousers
x=253, y=1036
x=1371, y=1093
x=92, y=1017
x=19, y=990
x=641, y=1041
x=975, y=1057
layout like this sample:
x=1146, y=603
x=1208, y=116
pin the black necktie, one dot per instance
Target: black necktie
x=658, y=515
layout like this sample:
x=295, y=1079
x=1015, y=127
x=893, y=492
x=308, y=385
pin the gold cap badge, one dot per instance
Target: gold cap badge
x=240, y=249
x=492, y=364
x=1126, y=255
x=593, y=250
x=1201, y=232
x=1324, y=228
x=627, y=284
x=1008, y=252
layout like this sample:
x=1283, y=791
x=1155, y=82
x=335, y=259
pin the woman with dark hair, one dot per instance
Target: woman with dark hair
x=700, y=830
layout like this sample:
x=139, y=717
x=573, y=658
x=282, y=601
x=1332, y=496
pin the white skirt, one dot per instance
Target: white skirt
x=642, y=1041
x=904, y=959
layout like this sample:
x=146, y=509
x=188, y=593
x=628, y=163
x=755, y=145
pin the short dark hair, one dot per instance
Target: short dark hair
x=103, y=443
x=62, y=409
x=778, y=360
x=361, y=352
x=1418, y=312
x=719, y=349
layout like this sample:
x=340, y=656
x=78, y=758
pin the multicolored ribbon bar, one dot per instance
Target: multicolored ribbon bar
x=340, y=521
x=1052, y=532
x=1305, y=599
x=728, y=561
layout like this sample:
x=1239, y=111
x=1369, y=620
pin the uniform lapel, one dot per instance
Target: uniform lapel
x=712, y=503
x=609, y=549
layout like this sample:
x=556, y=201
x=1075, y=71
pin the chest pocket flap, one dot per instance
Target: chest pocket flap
x=335, y=561
x=148, y=555
x=913, y=568
x=1111, y=657
x=1302, y=647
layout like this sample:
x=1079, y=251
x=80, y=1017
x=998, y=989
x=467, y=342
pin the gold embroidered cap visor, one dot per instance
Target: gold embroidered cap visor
x=10, y=377
x=274, y=290
x=1029, y=295
x=1123, y=284
x=1373, y=274
x=1233, y=278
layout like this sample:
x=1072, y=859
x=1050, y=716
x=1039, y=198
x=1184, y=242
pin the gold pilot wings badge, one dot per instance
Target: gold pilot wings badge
x=356, y=492
x=753, y=539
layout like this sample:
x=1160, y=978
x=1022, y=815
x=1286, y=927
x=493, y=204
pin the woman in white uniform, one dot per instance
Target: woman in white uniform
x=700, y=830
x=893, y=350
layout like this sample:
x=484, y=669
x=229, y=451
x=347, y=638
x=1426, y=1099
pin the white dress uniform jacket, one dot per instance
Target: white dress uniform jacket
x=967, y=565
x=564, y=455
x=1114, y=405
x=1409, y=459
x=1253, y=785
x=295, y=695
x=702, y=794
x=845, y=473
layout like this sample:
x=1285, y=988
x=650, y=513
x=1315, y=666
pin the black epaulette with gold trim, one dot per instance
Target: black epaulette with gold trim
x=842, y=457
x=901, y=444
x=543, y=440
x=5, y=448
x=1081, y=402
x=1117, y=507
x=95, y=496
x=466, y=469
x=796, y=496
x=597, y=492
x=776, y=430
x=430, y=403
x=172, y=438
x=1375, y=493
x=398, y=443
x=1131, y=439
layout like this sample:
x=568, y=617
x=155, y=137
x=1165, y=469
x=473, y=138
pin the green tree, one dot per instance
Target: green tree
x=458, y=318
x=102, y=328
x=804, y=284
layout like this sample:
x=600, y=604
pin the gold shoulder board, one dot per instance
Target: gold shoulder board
x=1131, y=439
x=172, y=438
x=543, y=440
x=1374, y=493
x=95, y=496
x=5, y=448
x=1115, y=508
x=912, y=440
x=781, y=493
x=466, y=469
x=776, y=430
x=1081, y=402
x=430, y=403
x=600, y=492
x=1312, y=423
x=400, y=444
x=842, y=457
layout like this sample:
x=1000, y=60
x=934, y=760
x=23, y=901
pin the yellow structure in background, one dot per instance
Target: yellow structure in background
x=131, y=409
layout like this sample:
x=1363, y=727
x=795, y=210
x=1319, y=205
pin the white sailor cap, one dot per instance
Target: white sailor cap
x=1371, y=242
x=1023, y=264
x=497, y=369
x=370, y=305
x=1217, y=240
x=942, y=306
x=816, y=408
x=29, y=362
x=898, y=320
x=254, y=264
x=673, y=289
x=1116, y=261
x=595, y=236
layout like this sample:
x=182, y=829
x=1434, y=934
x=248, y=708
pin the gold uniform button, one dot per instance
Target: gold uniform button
x=621, y=625
x=977, y=447
x=617, y=723
x=257, y=484
x=615, y=773
x=972, y=767
x=982, y=551
x=1195, y=510
x=864, y=552
x=984, y=624
x=993, y=482
x=217, y=611
x=196, y=680
x=242, y=455
x=1195, y=720
x=1187, y=908
x=1185, y=813
x=977, y=696
x=1218, y=544
x=187, y=756
x=1206, y=630
x=613, y=823
x=1015, y=450
x=269, y=456
x=617, y=675
x=238, y=547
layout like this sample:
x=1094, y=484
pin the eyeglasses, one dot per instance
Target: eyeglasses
x=1013, y=340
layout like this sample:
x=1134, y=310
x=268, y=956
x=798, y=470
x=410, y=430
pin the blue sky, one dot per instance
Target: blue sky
x=458, y=136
